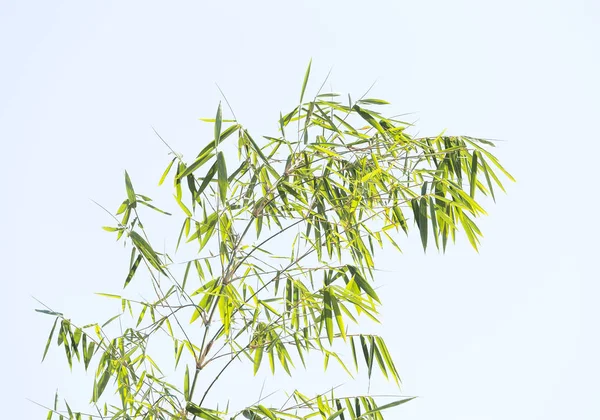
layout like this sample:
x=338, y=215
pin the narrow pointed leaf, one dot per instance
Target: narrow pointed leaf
x=166, y=172
x=49, y=339
x=222, y=176
x=386, y=406
x=130, y=192
x=473, y=178
x=218, y=122
x=305, y=82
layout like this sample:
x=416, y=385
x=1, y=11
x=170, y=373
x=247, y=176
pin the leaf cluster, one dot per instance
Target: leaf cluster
x=338, y=181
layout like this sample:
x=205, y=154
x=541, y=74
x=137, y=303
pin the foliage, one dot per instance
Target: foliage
x=338, y=180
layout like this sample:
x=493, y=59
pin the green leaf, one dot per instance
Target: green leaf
x=255, y=147
x=154, y=208
x=50, y=338
x=47, y=312
x=362, y=283
x=146, y=250
x=201, y=160
x=423, y=228
x=132, y=270
x=166, y=172
x=222, y=176
x=209, y=176
x=200, y=412
x=111, y=320
x=373, y=101
x=271, y=360
x=386, y=406
x=338, y=315
x=434, y=224
x=369, y=118
x=258, y=354
x=325, y=150
x=473, y=178
x=69, y=410
x=108, y=295
x=186, y=384
x=352, y=346
x=89, y=354
x=212, y=120
x=266, y=412
x=327, y=311
x=130, y=192
x=178, y=352
x=183, y=207
x=218, y=122
x=141, y=317
x=368, y=353
x=379, y=358
x=388, y=359
x=211, y=145
x=487, y=176
x=336, y=414
x=101, y=385
x=250, y=415
x=305, y=82
x=399, y=216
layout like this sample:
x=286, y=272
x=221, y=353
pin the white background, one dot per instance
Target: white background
x=511, y=332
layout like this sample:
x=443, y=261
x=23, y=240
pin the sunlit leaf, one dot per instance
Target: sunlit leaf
x=130, y=192
x=222, y=176
x=305, y=81
x=218, y=122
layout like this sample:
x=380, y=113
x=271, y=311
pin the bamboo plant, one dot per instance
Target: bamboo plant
x=283, y=231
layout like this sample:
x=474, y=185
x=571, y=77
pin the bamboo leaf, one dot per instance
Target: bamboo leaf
x=487, y=176
x=218, y=122
x=325, y=150
x=305, y=82
x=337, y=414
x=327, y=311
x=146, y=250
x=362, y=283
x=434, y=224
x=166, y=172
x=222, y=176
x=267, y=412
x=49, y=339
x=201, y=160
x=368, y=118
x=154, y=208
x=354, y=353
x=101, y=385
x=373, y=101
x=258, y=354
x=200, y=412
x=386, y=406
x=338, y=314
x=108, y=295
x=183, y=207
x=132, y=270
x=141, y=317
x=186, y=384
x=47, y=312
x=473, y=178
x=423, y=228
x=130, y=192
x=207, y=178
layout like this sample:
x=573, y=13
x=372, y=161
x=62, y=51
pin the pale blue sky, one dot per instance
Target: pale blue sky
x=509, y=333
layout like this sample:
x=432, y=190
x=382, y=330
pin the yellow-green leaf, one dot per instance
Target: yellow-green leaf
x=222, y=176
